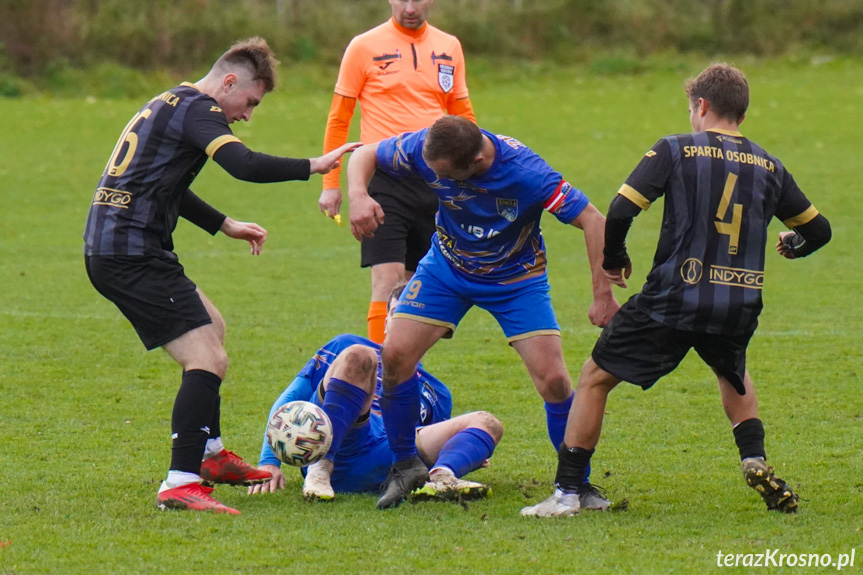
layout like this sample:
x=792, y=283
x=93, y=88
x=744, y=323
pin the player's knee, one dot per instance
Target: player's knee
x=357, y=365
x=488, y=423
x=396, y=365
x=220, y=362
x=554, y=385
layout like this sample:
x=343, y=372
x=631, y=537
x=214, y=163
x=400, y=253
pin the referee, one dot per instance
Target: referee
x=405, y=74
x=130, y=259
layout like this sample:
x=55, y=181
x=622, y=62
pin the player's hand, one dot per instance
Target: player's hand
x=252, y=233
x=619, y=276
x=784, y=246
x=366, y=216
x=330, y=202
x=332, y=160
x=602, y=309
x=271, y=486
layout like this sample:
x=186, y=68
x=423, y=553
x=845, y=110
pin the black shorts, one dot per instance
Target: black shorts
x=635, y=348
x=153, y=293
x=409, y=207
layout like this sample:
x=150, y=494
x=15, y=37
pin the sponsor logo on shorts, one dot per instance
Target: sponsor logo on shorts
x=736, y=277
x=111, y=197
x=507, y=208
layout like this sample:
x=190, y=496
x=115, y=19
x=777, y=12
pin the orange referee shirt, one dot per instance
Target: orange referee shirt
x=404, y=80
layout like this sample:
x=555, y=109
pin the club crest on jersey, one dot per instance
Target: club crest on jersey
x=445, y=76
x=507, y=208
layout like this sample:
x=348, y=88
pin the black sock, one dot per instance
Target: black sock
x=571, y=464
x=191, y=417
x=216, y=424
x=749, y=436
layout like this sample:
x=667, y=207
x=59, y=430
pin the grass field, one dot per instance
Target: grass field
x=84, y=416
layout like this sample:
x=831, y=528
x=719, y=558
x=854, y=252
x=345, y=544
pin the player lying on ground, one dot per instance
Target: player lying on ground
x=130, y=259
x=704, y=291
x=344, y=377
x=488, y=251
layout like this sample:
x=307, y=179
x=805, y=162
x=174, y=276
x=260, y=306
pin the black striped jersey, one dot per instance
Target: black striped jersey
x=163, y=147
x=721, y=190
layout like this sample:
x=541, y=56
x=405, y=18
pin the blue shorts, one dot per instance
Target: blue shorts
x=365, y=458
x=439, y=295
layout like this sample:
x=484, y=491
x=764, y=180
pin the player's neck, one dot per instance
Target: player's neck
x=720, y=124
x=410, y=31
x=488, y=155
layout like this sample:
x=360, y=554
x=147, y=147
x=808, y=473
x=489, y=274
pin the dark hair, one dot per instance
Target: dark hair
x=396, y=293
x=725, y=87
x=453, y=138
x=254, y=55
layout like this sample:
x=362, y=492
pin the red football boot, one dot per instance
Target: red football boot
x=190, y=496
x=227, y=467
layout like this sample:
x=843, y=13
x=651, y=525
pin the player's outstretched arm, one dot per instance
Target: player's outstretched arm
x=277, y=482
x=366, y=213
x=252, y=233
x=331, y=160
x=604, y=306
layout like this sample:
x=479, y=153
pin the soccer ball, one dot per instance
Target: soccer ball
x=300, y=433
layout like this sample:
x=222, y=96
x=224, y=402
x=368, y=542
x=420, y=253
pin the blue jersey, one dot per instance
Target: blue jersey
x=488, y=226
x=435, y=400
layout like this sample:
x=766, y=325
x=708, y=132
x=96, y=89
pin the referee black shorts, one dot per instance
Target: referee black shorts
x=152, y=292
x=409, y=207
x=635, y=348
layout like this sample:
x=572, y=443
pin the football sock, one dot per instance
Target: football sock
x=377, y=318
x=191, y=417
x=556, y=416
x=216, y=423
x=400, y=408
x=572, y=462
x=749, y=436
x=180, y=478
x=466, y=451
x=343, y=402
x=214, y=446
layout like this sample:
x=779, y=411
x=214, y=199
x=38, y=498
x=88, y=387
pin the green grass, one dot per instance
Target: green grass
x=84, y=417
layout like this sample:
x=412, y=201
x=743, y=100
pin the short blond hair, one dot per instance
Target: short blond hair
x=255, y=56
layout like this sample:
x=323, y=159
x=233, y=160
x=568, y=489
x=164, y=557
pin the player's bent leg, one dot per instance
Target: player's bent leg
x=317, y=486
x=582, y=434
x=457, y=447
x=406, y=342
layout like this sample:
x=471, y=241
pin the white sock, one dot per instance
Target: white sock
x=179, y=478
x=442, y=469
x=214, y=447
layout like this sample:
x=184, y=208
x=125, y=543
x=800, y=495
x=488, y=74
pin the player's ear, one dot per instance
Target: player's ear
x=703, y=106
x=229, y=81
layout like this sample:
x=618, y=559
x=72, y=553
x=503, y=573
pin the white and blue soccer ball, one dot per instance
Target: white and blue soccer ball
x=300, y=433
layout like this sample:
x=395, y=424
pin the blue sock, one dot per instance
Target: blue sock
x=465, y=451
x=556, y=415
x=400, y=408
x=343, y=402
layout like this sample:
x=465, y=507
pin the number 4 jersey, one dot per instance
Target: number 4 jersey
x=161, y=150
x=721, y=191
